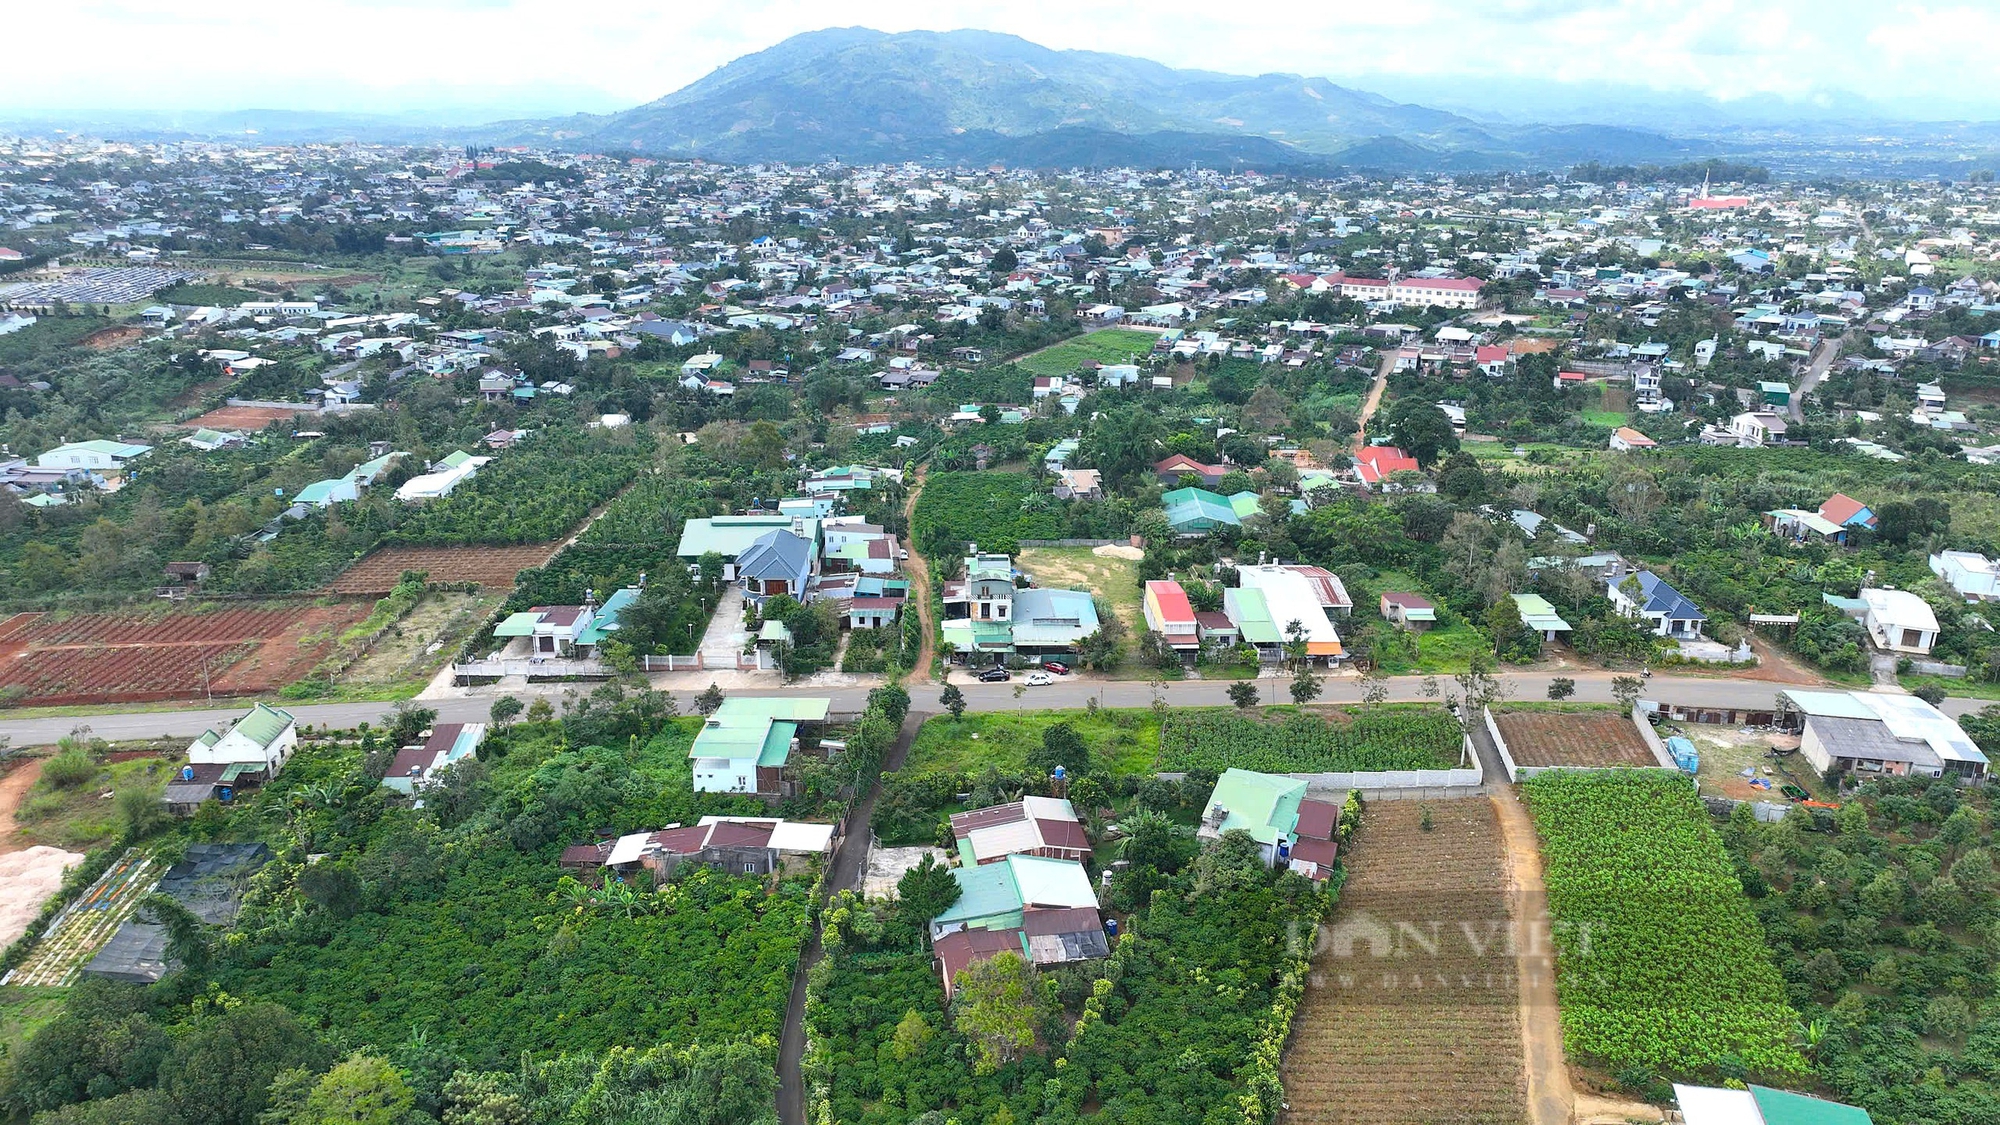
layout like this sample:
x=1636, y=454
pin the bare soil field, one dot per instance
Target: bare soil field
x=422, y=641
x=247, y=418
x=494, y=567
x=1581, y=739
x=105, y=339
x=1413, y=1010
x=175, y=654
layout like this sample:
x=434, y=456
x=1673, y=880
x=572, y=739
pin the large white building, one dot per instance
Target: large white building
x=1899, y=621
x=1873, y=734
x=1973, y=577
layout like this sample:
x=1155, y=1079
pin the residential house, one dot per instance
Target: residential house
x=778, y=562
x=1757, y=427
x=447, y=744
x=94, y=457
x=1802, y=526
x=446, y=474
x=1876, y=733
x=1539, y=615
x=1052, y=622
x=1194, y=512
x=1974, y=577
x=1761, y=1105
x=1170, y=614
x=251, y=752
x=1410, y=612
x=1290, y=596
x=1250, y=617
x=1041, y=826
x=730, y=536
x=1846, y=511
x=1079, y=484
x=1169, y=470
x=1293, y=830
x=1646, y=595
x=1624, y=439
x=741, y=845
x=746, y=745
x=1043, y=909
x=1375, y=463
x=1899, y=621
x=979, y=608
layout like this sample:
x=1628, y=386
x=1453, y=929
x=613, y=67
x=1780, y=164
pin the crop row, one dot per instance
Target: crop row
x=1374, y=739
x=75, y=675
x=218, y=627
x=1659, y=960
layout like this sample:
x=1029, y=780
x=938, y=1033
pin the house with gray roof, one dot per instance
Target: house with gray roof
x=1647, y=595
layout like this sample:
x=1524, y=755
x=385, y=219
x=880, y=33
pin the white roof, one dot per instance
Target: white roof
x=628, y=849
x=1290, y=597
x=1908, y=718
x=1901, y=608
x=786, y=835
x=1711, y=1105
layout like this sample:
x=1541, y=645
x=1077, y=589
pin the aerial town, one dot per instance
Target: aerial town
x=510, y=635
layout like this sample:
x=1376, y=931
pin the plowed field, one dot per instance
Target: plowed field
x=492, y=567
x=176, y=654
x=1587, y=739
x=1413, y=1012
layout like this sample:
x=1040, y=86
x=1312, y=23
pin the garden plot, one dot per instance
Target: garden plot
x=1412, y=1013
x=1573, y=739
x=86, y=924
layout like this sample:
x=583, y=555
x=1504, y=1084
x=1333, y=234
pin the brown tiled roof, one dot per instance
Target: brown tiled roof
x=1063, y=834
x=1317, y=819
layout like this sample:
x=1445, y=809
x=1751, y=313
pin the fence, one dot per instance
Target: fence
x=1934, y=668
x=670, y=663
x=1717, y=715
x=1518, y=773
x=1770, y=812
x=531, y=669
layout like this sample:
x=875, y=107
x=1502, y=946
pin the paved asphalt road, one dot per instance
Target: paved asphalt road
x=1590, y=686
x=1822, y=359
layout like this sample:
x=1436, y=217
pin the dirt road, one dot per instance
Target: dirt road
x=13, y=790
x=919, y=570
x=1374, y=399
x=1550, y=1098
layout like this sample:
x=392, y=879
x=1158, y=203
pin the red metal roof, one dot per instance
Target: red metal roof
x=1317, y=819
x=1171, y=599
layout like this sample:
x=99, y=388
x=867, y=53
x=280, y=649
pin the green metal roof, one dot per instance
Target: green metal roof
x=1192, y=507
x=1781, y=1107
x=983, y=636
x=518, y=625
x=759, y=727
x=455, y=458
x=1253, y=617
x=1538, y=614
x=605, y=622
x=1266, y=805
x=263, y=724
x=730, y=536
x=992, y=895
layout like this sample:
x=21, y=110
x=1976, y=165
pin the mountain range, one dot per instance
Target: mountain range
x=979, y=97
x=866, y=96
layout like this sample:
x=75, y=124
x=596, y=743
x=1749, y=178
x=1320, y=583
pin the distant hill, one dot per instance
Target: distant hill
x=864, y=96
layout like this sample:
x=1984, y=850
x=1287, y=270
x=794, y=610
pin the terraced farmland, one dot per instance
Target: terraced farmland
x=1413, y=1014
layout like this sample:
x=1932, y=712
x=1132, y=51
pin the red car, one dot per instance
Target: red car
x=1057, y=666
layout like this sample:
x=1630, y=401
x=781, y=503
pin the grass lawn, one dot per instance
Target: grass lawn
x=1126, y=740
x=1604, y=417
x=1964, y=689
x=84, y=817
x=1449, y=650
x=23, y=1011
x=1113, y=345
x=1114, y=579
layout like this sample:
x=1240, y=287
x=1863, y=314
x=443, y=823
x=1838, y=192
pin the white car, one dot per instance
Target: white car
x=1039, y=679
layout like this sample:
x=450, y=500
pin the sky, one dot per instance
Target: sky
x=471, y=59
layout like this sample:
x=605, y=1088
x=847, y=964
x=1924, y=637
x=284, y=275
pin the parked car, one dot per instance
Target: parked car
x=1039, y=679
x=995, y=676
x=1058, y=667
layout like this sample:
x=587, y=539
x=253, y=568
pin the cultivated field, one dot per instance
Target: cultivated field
x=1413, y=1011
x=488, y=566
x=1578, y=739
x=180, y=654
x=1112, y=345
x=246, y=418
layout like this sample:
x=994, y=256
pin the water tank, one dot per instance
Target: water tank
x=187, y=773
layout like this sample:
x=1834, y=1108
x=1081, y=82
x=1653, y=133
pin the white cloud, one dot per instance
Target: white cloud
x=554, y=55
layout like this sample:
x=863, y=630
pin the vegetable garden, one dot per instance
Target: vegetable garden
x=1660, y=964
x=1361, y=739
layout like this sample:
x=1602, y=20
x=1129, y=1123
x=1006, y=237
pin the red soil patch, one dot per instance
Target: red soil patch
x=493, y=567
x=142, y=657
x=1588, y=739
x=246, y=418
x=105, y=339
